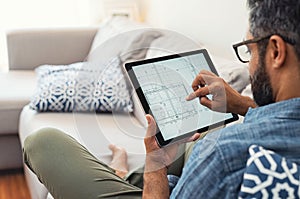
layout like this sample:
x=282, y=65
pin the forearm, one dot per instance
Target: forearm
x=243, y=105
x=157, y=159
x=156, y=184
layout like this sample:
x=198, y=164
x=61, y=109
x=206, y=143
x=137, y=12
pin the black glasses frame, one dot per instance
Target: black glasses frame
x=255, y=40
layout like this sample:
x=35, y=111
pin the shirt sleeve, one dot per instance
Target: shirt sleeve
x=203, y=175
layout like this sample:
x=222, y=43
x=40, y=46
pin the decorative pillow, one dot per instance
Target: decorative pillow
x=81, y=87
x=269, y=175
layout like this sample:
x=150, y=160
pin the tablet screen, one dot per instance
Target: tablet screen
x=162, y=85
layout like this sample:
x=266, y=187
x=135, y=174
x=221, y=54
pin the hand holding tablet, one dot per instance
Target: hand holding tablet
x=162, y=85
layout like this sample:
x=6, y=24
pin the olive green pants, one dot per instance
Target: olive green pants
x=69, y=171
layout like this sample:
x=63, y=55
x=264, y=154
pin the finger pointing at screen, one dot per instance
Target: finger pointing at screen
x=214, y=93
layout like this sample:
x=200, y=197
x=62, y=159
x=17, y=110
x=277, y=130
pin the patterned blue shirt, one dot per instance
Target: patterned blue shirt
x=216, y=166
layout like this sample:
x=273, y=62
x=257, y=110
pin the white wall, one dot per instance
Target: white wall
x=39, y=13
x=216, y=23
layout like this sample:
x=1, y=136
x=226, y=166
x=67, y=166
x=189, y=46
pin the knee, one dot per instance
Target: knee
x=41, y=139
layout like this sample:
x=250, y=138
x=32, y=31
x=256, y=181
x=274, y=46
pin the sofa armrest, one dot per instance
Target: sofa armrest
x=29, y=48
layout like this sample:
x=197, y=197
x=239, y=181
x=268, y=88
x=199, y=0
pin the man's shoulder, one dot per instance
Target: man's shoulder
x=276, y=133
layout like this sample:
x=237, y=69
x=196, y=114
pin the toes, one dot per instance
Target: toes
x=112, y=147
x=116, y=150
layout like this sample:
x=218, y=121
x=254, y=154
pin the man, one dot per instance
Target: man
x=217, y=163
x=274, y=45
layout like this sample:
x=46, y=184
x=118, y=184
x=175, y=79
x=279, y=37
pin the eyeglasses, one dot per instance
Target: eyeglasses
x=243, y=53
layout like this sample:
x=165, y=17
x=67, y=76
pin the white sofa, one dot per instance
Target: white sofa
x=31, y=48
x=15, y=90
x=28, y=49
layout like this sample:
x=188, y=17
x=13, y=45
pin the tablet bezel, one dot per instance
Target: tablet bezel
x=159, y=137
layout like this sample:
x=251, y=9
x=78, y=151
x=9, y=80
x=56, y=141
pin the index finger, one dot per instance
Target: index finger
x=200, y=92
x=203, y=79
x=208, y=73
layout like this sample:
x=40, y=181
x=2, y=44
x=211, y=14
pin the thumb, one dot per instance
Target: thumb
x=151, y=130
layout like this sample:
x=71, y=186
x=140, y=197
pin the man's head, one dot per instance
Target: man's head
x=274, y=63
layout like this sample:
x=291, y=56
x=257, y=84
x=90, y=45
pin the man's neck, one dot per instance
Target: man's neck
x=289, y=85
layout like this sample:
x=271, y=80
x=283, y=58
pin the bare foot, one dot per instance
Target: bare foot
x=119, y=160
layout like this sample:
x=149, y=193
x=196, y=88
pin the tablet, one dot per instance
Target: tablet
x=162, y=85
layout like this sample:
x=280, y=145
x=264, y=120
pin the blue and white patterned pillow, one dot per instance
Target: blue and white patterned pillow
x=82, y=87
x=269, y=175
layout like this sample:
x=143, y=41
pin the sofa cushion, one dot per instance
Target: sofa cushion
x=122, y=37
x=95, y=131
x=82, y=87
x=107, y=43
x=269, y=175
x=171, y=42
x=16, y=89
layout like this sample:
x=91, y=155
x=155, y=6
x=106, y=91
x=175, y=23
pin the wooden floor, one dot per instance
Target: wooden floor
x=13, y=185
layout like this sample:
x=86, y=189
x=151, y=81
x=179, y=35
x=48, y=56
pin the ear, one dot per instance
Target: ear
x=278, y=51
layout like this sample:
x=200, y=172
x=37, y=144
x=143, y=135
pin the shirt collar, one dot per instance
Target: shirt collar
x=289, y=107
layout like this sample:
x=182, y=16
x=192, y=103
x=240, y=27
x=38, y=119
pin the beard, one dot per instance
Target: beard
x=261, y=85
